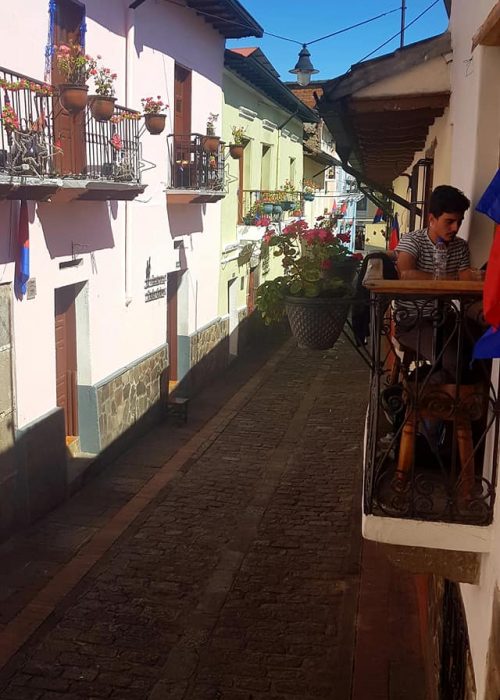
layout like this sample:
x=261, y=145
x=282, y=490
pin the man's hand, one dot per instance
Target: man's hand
x=407, y=268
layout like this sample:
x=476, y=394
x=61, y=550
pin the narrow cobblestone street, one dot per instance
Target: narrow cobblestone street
x=230, y=564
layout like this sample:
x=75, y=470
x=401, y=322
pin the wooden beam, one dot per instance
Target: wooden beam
x=399, y=103
x=489, y=32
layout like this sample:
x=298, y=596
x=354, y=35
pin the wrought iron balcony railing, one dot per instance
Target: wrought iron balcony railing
x=194, y=168
x=433, y=417
x=39, y=139
x=259, y=207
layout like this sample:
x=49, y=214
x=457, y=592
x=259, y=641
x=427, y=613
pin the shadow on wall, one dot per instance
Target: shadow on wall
x=33, y=469
x=169, y=37
x=84, y=226
x=184, y=220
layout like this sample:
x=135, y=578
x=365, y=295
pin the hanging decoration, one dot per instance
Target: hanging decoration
x=49, y=49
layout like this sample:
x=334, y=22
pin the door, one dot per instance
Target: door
x=66, y=362
x=69, y=130
x=233, y=316
x=182, y=127
x=173, y=281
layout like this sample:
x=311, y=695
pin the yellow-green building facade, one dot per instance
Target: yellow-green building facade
x=272, y=119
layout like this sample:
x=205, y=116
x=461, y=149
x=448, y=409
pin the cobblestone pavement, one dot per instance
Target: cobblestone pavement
x=239, y=580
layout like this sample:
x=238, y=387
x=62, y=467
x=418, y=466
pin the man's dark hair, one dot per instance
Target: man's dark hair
x=446, y=198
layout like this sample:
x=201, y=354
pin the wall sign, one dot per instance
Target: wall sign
x=155, y=287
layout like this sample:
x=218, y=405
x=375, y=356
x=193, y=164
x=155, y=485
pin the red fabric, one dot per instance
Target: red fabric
x=491, y=292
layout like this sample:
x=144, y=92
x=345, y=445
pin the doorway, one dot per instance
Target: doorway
x=66, y=357
x=232, y=306
x=173, y=281
x=182, y=126
x=69, y=129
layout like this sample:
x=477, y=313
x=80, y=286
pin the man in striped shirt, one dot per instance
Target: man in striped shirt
x=415, y=260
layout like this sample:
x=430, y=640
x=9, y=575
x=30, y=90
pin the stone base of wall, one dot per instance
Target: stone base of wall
x=129, y=400
x=209, y=355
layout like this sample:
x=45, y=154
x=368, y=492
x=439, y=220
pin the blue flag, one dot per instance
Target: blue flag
x=489, y=203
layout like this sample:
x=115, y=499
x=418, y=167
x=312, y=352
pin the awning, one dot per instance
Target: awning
x=381, y=110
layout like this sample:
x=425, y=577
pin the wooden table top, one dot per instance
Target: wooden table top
x=427, y=287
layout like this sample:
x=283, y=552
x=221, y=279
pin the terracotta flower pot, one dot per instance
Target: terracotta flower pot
x=236, y=150
x=210, y=144
x=155, y=123
x=318, y=322
x=73, y=98
x=102, y=107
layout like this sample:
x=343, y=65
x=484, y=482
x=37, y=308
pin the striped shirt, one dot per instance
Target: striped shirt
x=421, y=247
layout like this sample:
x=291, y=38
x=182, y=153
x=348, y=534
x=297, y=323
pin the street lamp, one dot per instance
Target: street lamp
x=304, y=68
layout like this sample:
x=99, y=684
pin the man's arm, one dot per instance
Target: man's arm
x=407, y=268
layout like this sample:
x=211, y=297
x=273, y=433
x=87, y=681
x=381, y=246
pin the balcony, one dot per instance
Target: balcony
x=262, y=207
x=432, y=426
x=45, y=153
x=196, y=176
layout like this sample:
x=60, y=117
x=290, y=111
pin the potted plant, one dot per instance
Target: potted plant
x=154, y=117
x=308, y=189
x=102, y=104
x=289, y=201
x=315, y=299
x=75, y=68
x=237, y=146
x=210, y=142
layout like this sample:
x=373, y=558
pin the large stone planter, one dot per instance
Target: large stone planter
x=317, y=323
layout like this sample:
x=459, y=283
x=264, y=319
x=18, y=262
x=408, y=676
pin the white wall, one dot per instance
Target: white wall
x=120, y=330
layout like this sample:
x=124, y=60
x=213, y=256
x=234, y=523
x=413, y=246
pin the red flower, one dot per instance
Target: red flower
x=326, y=265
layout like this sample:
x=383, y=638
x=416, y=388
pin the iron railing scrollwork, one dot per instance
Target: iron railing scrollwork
x=433, y=417
x=29, y=146
x=194, y=168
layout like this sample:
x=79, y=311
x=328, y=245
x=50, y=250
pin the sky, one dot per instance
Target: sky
x=306, y=20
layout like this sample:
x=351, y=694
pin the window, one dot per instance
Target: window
x=291, y=171
x=265, y=173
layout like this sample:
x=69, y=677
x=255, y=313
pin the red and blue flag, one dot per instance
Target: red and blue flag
x=22, y=267
x=489, y=344
x=394, y=239
x=379, y=216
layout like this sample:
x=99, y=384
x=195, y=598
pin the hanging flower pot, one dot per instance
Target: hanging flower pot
x=210, y=144
x=308, y=197
x=154, y=123
x=288, y=204
x=267, y=207
x=73, y=98
x=236, y=150
x=317, y=322
x=277, y=209
x=102, y=107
